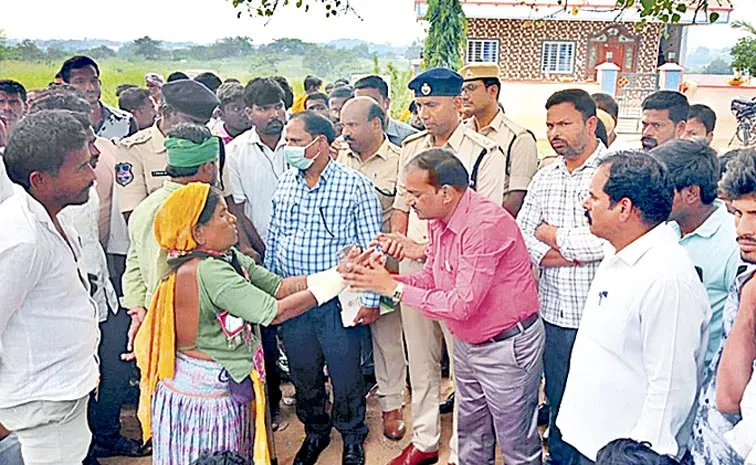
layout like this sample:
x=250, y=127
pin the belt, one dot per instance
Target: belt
x=512, y=331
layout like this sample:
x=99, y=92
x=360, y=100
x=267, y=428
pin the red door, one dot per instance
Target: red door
x=613, y=52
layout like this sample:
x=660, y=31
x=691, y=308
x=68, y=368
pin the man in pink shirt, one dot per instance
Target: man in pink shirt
x=478, y=280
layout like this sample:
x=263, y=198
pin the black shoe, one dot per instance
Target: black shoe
x=370, y=384
x=354, y=454
x=447, y=406
x=122, y=447
x=543, y=414
x=310, y=451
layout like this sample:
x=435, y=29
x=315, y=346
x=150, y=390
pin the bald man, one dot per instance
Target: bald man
x=371, y=153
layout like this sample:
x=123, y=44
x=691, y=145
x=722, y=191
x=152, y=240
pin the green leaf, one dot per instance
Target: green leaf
x=647, y=4
x=713, y=17
x=682, y=8
x=676, y=18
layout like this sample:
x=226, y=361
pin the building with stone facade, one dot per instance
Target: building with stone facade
x=564, y=40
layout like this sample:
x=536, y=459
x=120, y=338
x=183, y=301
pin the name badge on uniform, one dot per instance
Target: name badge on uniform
x=158, y=174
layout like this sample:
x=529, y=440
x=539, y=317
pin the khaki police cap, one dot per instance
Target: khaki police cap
x=475, y=71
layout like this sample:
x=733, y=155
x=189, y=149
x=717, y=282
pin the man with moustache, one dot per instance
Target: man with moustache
x=12, y=103
x=372, y=154
x=665, y=113
x=48, y=321
x=726, y=376
x=639, y=354
x=480, y=101
x=255, y=163
x=559, y=239
x=437, y=93
x=111, y=123
x=375, y=87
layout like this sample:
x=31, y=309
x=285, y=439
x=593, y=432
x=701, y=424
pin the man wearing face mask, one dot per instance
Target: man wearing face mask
x=559, y=239
x=665, y=113
x=320, y=207
x=255, y=162
x=141, y=158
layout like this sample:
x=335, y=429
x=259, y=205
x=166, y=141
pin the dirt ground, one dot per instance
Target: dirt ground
x=378, y=449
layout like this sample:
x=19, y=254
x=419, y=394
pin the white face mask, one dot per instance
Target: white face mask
x=295, y=156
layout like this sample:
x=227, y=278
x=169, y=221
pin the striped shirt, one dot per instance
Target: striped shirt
x=555, y=197
x=309, y=226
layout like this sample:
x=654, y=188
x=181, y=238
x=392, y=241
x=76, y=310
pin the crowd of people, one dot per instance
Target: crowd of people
x=207, y=237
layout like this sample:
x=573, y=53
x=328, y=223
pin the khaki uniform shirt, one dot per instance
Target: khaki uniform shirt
x=140, y=168
x=467, y=145
x=382, y=169
x=521, y=159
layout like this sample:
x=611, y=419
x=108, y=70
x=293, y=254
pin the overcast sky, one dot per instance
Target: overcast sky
x=202, y=21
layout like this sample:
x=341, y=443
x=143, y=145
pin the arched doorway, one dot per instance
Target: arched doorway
x=615, y=44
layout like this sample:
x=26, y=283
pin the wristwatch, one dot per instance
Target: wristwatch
x=398, y=293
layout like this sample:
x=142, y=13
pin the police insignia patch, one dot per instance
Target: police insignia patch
x=426, y=89
x=124, y=174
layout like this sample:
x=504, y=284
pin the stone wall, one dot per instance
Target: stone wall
x=521, y=43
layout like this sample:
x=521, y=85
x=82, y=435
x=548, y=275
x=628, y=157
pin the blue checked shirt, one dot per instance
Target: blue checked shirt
x=310, y=226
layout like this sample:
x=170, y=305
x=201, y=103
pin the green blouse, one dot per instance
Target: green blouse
x=222, y=288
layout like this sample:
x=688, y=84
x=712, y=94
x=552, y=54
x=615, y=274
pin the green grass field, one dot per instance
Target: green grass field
x=35, y=75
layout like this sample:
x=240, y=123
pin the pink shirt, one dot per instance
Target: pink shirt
x=477, y=276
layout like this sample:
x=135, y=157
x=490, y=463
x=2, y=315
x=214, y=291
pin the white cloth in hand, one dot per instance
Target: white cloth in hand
x=325, y=285
x=742, y=437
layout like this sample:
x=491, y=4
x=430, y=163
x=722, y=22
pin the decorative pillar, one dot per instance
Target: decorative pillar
x=670, y=76
x=606, y=75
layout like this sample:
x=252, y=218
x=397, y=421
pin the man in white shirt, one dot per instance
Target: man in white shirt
x=105, y=408
x=48, y=322
x=638, y=356
x=254, y=163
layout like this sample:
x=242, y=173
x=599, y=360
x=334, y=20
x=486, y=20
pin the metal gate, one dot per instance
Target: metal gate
x=632, y=88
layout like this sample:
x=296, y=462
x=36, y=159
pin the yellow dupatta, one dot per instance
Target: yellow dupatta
x=155, y=342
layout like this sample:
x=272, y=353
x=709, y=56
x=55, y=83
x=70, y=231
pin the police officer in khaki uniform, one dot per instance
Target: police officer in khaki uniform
x=141, y=158
x=480, y=103
x=437, y=94
x=371, y=153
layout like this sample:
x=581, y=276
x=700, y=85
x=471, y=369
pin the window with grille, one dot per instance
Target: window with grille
x=558, y=57
x=481, y=50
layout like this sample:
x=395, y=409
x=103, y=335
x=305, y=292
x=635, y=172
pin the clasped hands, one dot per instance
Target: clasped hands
x=366, y=271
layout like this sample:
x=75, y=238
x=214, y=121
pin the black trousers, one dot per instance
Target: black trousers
x=315, y=339
x=272, y=378
x=556, y=365
x=104, y=412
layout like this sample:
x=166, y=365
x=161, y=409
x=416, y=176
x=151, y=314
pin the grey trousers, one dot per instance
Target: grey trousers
x=497, y=390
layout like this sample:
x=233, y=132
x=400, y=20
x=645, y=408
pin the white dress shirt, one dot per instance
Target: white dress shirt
x=253, y=171
x=638, y=356
x=6, y=186
x=84, y=219
x=48, y=322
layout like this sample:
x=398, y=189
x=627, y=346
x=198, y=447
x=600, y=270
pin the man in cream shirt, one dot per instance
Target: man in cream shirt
x=639, y=352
